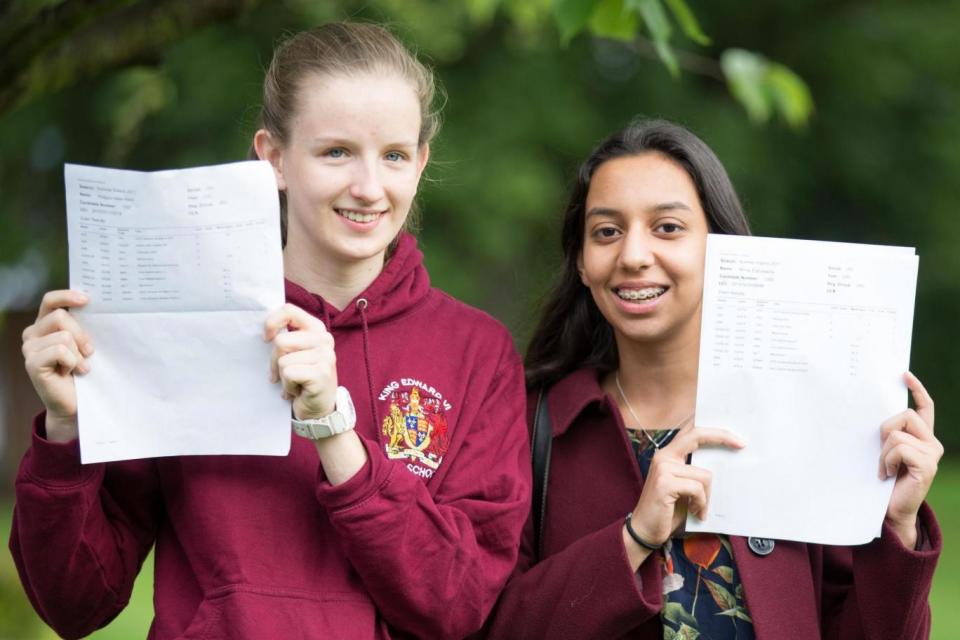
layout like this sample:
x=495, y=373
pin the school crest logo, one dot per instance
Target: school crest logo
x=416, y=425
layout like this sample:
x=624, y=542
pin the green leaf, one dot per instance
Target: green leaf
x=571, y=17
x=655, y=18
x=725, y=541
x=790, y=95
x=611, y=19
x=724, y=572
x=765, y=87
x=721, y=596
x=687, y=633
x=745, y=72
x=688, y=22
x=669, y=633
x=739, y=592
x=737, y=612
x=665, y=53
x=675, y=613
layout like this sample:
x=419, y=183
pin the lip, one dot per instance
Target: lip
x=360, y=226
x=639, y=307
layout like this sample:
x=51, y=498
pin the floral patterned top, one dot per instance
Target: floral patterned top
x=702, y=593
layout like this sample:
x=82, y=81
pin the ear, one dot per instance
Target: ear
x=423, y=154
x=268, y=148
x=583, y=278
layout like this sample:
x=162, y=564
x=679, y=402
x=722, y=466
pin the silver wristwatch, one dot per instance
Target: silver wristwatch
x=343, y=418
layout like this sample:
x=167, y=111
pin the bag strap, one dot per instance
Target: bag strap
x=540, y=445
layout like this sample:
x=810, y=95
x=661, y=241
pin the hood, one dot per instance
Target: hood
x=401, y=286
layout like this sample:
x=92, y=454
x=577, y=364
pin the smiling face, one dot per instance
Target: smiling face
x=350, y=170
x=643, y=249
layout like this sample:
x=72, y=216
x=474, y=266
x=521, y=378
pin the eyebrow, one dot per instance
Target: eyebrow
x=321, y=141
x=607, y=212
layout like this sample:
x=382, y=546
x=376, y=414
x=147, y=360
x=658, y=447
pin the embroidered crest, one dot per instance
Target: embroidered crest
x=415, y=425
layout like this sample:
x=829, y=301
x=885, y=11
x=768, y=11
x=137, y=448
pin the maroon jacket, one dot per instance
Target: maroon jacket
x=418, y=543
x=584, y=587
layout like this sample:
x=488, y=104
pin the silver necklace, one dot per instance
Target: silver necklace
x=655, y=443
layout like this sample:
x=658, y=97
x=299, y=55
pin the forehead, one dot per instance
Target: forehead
x=644, y=180
x=365, y=104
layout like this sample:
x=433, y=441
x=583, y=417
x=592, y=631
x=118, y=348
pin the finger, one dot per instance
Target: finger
x=671, y=467
x=933, y=450
x=909, y=421
x=315, y=357
x=299, y=376
x=54, y=358
x=318, y=347
x=302, y=340
x=921, y=398
x=289, y=316
x=686, y=442
x=61, y=298
x=60, y=320
x=64, y=338
x=695, y=493
x=918, y=463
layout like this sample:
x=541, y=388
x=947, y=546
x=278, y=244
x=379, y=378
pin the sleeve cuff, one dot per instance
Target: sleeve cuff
x=55, y=464
x=363, y=485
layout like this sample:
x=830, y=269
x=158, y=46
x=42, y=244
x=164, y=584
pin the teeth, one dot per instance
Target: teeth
x=641, y=294
x=357, y=216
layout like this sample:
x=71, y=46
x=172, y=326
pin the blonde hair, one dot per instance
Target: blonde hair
x=341, y=48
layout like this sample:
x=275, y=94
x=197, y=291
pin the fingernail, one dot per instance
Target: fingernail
x=87, y=348
x=82, y=368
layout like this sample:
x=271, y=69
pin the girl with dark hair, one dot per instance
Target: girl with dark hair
x=616, y=355
x=398, y=511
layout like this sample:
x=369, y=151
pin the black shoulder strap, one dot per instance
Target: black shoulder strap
x=540, y=447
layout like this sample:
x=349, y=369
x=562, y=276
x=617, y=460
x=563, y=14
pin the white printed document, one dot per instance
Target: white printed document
x=182, y=268
x=802, y=352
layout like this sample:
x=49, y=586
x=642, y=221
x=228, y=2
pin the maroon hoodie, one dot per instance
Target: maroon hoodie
x=418, y=543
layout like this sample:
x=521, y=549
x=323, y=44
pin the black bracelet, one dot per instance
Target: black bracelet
x=636, y=537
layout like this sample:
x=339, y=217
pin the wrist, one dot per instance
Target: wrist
x=636, y=555
x=341, y=417
x=61, y=429
x=906, y=530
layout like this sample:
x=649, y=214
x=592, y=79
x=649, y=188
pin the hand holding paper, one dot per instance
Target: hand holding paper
x=803, y=348
x=181, y=269
x=910, y=454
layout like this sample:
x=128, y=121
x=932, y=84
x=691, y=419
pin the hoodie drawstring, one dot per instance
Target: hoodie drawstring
x=362, y=308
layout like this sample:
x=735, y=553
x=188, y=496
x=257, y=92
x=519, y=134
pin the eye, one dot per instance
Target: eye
x=670, y=227
x=395, y=156
x=335, y=152
x=605, y=233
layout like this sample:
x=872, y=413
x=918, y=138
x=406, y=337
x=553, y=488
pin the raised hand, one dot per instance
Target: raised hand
x=55, y=348
x=672, y=487
x=910, y=454
x=303, y=361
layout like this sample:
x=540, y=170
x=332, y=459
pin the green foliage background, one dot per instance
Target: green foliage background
x=877, y=161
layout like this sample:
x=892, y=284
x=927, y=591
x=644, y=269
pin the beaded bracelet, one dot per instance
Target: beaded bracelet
x=636, y=537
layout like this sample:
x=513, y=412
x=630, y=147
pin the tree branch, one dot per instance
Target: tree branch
x=78, y=39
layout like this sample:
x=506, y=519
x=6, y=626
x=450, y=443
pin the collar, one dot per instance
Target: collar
x=401, y=286
x=572, y=395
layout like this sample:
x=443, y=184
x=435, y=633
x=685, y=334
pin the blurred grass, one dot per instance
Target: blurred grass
x=18, y=622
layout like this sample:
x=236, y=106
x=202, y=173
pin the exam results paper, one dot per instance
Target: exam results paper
x=802, y=352
x=182, y=268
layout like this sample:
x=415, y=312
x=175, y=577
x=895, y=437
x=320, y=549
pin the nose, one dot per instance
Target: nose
x=637, y=251
x=367, y=185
